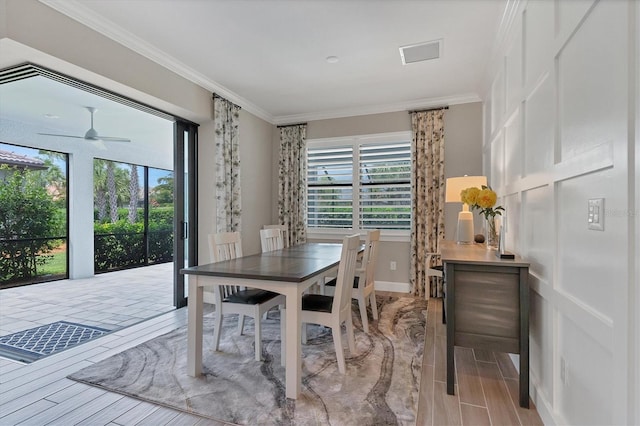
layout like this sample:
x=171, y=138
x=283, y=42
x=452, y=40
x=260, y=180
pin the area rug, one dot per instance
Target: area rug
x=380, y=386
x=35, y=343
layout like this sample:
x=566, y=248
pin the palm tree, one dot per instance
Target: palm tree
x=134, y=187
x=100, y=188
x=111, y=191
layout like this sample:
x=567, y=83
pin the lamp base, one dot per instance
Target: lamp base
x=465, y=228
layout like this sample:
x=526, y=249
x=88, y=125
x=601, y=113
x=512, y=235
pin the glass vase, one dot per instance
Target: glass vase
x=491, y=233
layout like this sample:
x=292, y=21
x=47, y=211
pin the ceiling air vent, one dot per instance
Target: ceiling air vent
x=420, y=52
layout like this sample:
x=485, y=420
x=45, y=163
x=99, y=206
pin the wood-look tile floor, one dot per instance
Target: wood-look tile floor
x=40, y=394
x=486, y=390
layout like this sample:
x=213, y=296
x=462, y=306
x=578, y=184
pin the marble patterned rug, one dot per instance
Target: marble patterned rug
x=380, y=386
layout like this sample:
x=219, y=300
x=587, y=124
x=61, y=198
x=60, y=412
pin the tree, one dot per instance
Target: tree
x=27, y=218
x=111, y=192
x=134, y=188
x=163, y=192
x=54, y=178
x=100, y=188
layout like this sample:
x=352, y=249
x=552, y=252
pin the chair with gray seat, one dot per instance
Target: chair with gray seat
x=333, y=311
x=237, y=299
x=364, y=280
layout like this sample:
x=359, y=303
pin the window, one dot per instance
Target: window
x=359, y=183
x=34, y=220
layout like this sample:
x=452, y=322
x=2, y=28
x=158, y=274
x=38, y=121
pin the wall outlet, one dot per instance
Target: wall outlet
x=393, y=265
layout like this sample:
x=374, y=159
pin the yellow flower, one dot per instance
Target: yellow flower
x=486, y=198
x=469, y=195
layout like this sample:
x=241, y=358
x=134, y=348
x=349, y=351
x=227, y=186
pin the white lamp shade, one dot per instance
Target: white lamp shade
x=455, y=185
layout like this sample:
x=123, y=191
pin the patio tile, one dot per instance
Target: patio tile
x=112, y=300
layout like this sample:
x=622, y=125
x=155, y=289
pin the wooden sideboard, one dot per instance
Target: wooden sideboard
x=486, y=306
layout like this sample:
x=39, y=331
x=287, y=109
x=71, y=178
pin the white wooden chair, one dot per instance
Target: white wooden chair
x=334, y=311
x=364, y=281
x=271, y=239
x=283, y=229
x=236, y=299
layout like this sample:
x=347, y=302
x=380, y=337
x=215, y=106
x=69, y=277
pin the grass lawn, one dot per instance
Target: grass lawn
x=55, y=265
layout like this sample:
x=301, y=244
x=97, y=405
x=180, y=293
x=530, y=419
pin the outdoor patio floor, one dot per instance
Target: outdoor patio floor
x=111, y=300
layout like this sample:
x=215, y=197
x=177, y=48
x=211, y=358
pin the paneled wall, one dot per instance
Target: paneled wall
x=560, y=129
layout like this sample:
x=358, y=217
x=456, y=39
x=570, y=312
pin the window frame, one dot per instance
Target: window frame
x=355, y=142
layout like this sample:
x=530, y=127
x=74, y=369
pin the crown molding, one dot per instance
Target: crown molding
x=77, y=11
x=380, y=109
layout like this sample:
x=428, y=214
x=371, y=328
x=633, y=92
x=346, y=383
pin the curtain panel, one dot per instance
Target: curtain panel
x=292, y=179
x=227, y=163
x=427, y=194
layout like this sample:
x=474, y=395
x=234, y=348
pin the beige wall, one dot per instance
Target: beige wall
x=463, y=155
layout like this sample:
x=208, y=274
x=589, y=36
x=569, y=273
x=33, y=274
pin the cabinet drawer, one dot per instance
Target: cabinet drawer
x=487, y=303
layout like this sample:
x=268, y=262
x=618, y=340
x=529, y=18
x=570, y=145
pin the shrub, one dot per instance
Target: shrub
x=28, y=216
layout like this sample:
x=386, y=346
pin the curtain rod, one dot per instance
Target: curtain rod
x=291, y=125
x=427, y=110
x=215, y=95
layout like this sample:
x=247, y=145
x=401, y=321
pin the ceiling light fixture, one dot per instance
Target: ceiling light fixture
x=51, y=116
x=332, y=59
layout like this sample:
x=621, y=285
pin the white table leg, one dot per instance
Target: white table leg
x=194, y=327
x=293, y=372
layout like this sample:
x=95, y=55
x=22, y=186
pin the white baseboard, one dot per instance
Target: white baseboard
x=393, y=286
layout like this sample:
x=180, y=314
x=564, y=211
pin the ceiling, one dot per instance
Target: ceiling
x=269, y=56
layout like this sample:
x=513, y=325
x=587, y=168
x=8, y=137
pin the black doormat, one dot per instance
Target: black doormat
x=35, y=343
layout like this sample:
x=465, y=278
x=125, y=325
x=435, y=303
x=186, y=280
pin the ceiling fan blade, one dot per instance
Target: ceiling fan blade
x=92, y=134
x=64, y=136
x=113, y=139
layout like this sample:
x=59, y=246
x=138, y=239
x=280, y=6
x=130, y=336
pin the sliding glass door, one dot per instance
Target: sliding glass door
x=185, y=206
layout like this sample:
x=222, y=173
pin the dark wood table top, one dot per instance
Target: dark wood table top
x=477, y=254
x=293, y=264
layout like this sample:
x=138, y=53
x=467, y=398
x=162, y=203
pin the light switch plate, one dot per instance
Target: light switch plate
x=595, y=214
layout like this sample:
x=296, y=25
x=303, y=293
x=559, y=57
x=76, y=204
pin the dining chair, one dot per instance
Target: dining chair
x=333, y=311
x=364, y=280
x=285, y=232
x=271, y=239
x=237, y=299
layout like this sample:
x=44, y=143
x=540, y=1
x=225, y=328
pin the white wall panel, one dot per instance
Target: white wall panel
x=512, y=150
x=539, y=122
x=570, y=13
x=574, y=144
x=513, y=83
x=497, y=100
x=538, y=37
x=591, y=264
x=586, y=398
x=541, y=344
x=496, y=177
x=593, y=81
x=538, y=230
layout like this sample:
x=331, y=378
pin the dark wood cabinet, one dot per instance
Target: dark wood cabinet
x=486, y=306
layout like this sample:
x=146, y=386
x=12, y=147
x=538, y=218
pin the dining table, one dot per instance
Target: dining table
x=289, y=271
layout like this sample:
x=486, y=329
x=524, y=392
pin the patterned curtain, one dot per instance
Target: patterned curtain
x=427, y=194
x=227, y=163
x=292, y=189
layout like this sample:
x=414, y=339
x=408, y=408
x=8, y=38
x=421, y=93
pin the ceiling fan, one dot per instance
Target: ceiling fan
x=92, y=134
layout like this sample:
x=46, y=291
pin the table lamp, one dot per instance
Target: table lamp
x=455, y=185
